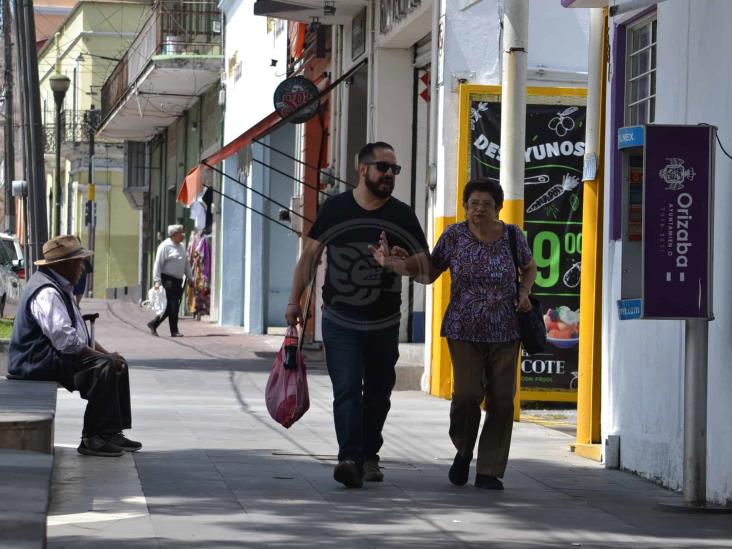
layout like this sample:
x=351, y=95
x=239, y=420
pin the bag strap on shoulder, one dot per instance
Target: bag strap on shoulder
x=514, y=250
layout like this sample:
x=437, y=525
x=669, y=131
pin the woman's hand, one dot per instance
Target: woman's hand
x=523, y=303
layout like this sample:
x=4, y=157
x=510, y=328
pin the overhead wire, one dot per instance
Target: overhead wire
x=255, y=191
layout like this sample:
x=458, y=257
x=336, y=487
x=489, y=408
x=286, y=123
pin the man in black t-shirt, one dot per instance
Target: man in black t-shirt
x=361, y=305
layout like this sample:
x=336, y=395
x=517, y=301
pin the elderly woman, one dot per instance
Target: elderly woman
x=480, y=324
x=171, y=263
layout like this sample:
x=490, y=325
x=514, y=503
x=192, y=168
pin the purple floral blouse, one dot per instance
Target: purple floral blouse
x=483, y=290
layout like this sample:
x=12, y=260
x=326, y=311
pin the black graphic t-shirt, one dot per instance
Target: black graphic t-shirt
x=353, y=280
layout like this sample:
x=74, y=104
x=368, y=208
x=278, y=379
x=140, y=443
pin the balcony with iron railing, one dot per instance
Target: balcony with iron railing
x=177, y=38
x=75, y=129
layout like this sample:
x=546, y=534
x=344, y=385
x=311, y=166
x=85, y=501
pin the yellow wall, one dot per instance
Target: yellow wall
x=117, y=232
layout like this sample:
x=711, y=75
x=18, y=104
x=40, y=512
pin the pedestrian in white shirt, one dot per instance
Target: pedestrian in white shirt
x=50, y=342
x=171, y=263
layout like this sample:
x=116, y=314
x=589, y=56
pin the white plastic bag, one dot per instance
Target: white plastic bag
x=157, y=300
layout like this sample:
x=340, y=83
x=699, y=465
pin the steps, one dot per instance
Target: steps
x=27, y=413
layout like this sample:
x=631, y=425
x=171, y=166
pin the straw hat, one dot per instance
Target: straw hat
x=62, y=248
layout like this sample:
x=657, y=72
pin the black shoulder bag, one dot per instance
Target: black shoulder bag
x=532, y=330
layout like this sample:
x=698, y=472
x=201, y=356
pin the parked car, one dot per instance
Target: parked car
x=12, y=271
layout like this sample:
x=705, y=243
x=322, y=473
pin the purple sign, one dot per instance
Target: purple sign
x=677, y=194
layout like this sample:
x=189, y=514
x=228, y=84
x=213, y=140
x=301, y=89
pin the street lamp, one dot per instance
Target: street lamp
x=59, y=86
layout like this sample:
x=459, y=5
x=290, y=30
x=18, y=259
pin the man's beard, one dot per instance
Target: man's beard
x=377, y=190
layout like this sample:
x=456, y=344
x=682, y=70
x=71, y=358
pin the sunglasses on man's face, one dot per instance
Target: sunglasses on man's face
x=384, y=167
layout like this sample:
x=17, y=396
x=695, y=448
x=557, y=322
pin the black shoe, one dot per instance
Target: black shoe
x=123, y=442
x=372, y=471
x=153, y=327
x=348, y=473
x=176, y=334
x=95, y=445
x=460, y=469
x=488, y=482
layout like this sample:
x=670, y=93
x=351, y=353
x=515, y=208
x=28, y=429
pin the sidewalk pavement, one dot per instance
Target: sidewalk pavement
x=216, y=471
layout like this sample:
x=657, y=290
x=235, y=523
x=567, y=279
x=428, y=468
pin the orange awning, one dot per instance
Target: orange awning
x=193, y=182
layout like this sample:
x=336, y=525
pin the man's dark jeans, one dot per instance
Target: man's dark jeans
x=361, y=366
x=106, y=391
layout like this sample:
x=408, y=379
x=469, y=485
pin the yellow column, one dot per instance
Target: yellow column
x=590, y=345
x=441, y=367
x=513, y=212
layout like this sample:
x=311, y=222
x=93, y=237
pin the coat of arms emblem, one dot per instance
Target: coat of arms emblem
x=675, y=174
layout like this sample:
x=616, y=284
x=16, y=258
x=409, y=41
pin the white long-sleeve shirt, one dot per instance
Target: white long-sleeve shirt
x=49, y=310
x=172, y=260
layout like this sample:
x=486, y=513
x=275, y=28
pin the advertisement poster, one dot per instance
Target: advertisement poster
x=553, y=224
x=676, y=224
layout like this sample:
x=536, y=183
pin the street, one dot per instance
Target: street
x=217, y=471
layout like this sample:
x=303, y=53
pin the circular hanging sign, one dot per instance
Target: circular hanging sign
x=292, y=94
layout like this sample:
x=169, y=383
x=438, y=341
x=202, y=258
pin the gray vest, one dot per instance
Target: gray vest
x=31, y=354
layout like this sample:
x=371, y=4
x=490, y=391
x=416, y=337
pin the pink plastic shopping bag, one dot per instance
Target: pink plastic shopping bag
x=287, y=389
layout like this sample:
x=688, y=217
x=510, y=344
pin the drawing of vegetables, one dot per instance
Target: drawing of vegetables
x=569, y=183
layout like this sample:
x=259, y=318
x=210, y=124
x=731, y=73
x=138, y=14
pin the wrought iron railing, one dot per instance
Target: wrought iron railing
x=75, y=128
x=394, y=11
x=172, y=28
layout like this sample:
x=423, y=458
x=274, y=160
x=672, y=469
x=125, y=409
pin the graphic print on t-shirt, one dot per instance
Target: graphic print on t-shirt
x=357, y=279
x=356, y=288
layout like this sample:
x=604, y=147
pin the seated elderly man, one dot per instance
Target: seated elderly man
x=50, y=342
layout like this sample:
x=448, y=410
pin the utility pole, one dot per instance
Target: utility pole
x=91, y=208
x=9, y=121
x=28, y=73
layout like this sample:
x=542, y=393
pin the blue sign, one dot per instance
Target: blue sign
x=630, y=136
x=630, y=309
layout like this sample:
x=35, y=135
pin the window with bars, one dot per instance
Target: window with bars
x=640, y=67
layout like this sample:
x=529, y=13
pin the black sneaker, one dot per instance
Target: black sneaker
x=488, y=482
x=123, y=442
x=372, y=472
x=153, y=328
x=460, y=469
x=95, y=445
x=348, y=473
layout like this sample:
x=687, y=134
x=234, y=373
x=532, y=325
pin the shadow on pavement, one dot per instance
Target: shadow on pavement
x=204, y=365
x=263, y=497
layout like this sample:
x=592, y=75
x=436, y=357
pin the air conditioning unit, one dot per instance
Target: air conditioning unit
x=216, y=26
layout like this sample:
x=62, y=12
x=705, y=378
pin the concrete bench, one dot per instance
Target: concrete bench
x=25, y=487
x=27, y=412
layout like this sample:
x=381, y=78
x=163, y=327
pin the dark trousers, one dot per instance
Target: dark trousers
x=107, y=394
x=173, y=294
x=483, y=371
x=361, y=368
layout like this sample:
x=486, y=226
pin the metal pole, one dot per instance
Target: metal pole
x=513, y=124
x=57, y=179
x=9, y=121
x=36, y=178
x=92, y=127
x=695, y=411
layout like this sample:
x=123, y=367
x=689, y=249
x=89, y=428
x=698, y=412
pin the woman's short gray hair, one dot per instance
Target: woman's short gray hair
x=173, y=229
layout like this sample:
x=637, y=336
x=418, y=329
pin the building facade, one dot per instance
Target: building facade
x=659, y=74
x=91, y=38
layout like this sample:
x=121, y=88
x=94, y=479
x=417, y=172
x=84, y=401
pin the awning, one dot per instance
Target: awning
x=193, y=182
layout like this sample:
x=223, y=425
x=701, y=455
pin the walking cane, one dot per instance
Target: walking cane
x=90, y=318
